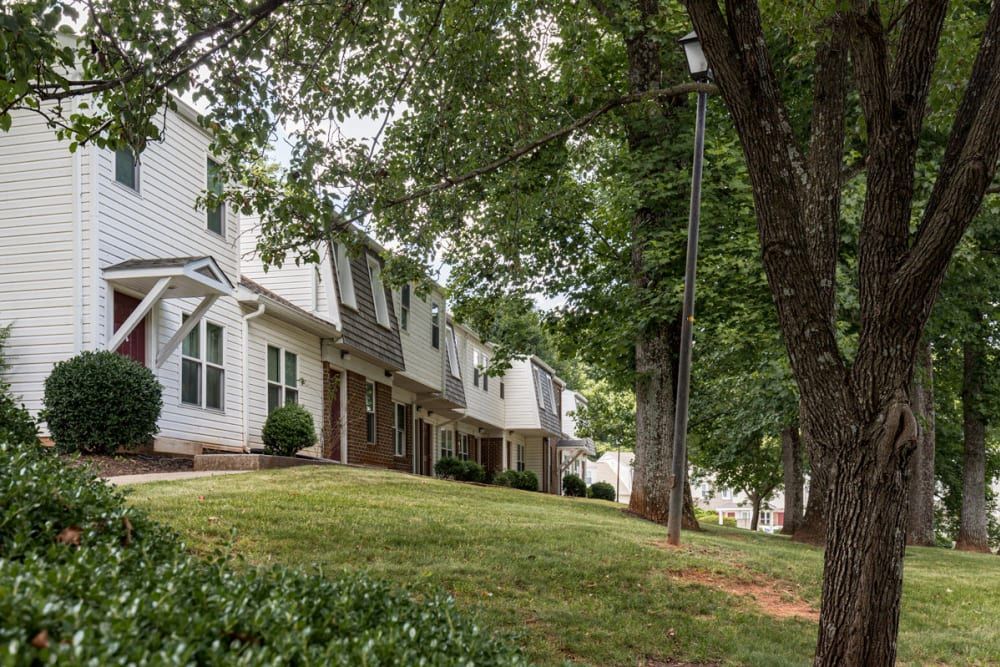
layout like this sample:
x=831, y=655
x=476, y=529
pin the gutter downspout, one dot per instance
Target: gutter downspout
x=246, y=372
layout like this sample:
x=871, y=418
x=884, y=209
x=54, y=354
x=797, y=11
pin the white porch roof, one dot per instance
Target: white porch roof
x=189, y=276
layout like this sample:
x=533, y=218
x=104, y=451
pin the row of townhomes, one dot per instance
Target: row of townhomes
x=101, y=251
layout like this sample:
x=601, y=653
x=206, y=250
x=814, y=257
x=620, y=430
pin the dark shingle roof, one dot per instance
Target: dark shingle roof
x=361, y=330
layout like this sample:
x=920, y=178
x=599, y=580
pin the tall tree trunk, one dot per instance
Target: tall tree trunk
x=972, y=535
x=755, y=516
x=812, y=528
x=791, y=459
x=656, y=346
x=920, y=515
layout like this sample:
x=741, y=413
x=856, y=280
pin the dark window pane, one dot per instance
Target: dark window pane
x=192, y=342
x=214, y=185
x=214, y=387
x=370, y=397
x=273, y=397
x=125, y=167
x=273, y=364
x=213, y=343
x=190, y=382
x=291, y=369
x=370, y=427
x=291, y=396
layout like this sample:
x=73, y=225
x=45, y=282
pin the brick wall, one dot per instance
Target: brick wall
x=381, y=452
x=331, y=412
x=492, y=454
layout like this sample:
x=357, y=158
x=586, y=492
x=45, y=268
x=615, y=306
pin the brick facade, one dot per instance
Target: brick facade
x=331, y=412
x=492, y=455
x=381, y=452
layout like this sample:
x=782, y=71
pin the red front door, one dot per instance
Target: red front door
x=134, y=345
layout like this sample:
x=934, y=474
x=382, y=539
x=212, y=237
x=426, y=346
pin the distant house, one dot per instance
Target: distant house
x=104, y=249
x=616, y=469
x=732, y=504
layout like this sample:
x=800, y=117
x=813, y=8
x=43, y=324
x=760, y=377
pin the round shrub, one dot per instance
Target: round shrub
x=506, y=478
x=528, y=481
x=99, y=401
x=16, y=425
x=472, y=472
x=524, y=480
x=602, y=491
x=448, y=467
x=287, y=430
x=574, y=486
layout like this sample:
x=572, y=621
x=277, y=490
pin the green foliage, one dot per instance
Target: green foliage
x=602, y=491
x=16, y=424
x=71, y=551
x=525, y=480
x=459, y=470
x=608, y=416
x=752, y=465
x=574, y=486
x=287, y=430
x=99, y=401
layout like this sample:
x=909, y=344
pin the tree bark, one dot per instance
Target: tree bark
x=920, y=513
x=812, y=528
x=972, y=531
x=755, y=516
x=791, y=458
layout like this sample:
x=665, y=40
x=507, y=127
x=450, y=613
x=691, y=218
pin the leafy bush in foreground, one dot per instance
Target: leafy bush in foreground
x=86, y=579
x=287, y=430
x=574, y=486
x=99, y=401
x=16, y=424
x=602, y=491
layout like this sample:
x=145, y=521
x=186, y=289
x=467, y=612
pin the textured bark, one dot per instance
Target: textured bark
x=656, y=347
x=856, y=411
x=920, y=512
x=972, y=530
x=755, y=515
x=812, y=528
x=791, y=459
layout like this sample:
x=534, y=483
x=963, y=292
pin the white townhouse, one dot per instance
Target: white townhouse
x=106, y=250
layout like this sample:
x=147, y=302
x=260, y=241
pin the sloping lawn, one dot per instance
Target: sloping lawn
x=572, y=579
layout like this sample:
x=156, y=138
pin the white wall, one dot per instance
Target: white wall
x=482, y=405
x=37, y=277
x=264, y=331
x=424, y=363
x=520, y=406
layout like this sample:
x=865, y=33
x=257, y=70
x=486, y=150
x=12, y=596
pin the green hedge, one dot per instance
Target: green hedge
x=84, y=579
x=574, y=486
x=462, y=471
x=99, y=401
x=287, y=430
x=602, y=491
x=525, y=480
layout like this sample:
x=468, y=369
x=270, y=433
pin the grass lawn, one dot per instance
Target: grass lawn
x=570, y=578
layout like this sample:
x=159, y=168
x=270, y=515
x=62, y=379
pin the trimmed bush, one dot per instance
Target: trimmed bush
x=84, y=579
x=574, y=486
x=287, y=430
x=524, y=480
x=602, y=491
x=462, y=471
x=97, y=402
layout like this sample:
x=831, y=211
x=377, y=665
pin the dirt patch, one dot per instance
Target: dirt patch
x=131, y=464
x=655, y=662
x=773, y=598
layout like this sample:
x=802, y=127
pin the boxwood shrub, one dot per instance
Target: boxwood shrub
x=525, y=480
x=287, y=430
x=574, y=486
x=450, y=467
x=99, y=401
x=602, y=491
x=84, y=579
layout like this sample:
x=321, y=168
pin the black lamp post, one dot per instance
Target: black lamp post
x=698, y=66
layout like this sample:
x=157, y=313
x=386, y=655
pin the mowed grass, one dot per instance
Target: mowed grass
x=569, y=579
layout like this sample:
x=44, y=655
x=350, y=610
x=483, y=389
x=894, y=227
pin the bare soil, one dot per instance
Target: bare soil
x=773, y=598
x=132, y=464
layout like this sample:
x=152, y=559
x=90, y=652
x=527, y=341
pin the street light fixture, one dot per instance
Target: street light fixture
x=700, y=71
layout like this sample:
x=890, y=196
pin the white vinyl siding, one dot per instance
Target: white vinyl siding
x=520, y=409
x=264, y=331
x=424, y=364
x=481, y=402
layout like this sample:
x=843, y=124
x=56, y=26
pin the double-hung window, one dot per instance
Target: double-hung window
x=543, y=390
x=216, y=217
x=282, y=378
x=203, y=373
x=399, y=430
x=369, y=411
x=520, y=457
x=378, y=293
x=404, y=307
x=463, y=446
x=446, y=443
x=127, y=168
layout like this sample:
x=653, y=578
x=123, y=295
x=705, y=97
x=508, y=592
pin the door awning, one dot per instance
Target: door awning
x=167, y=278
x=583, y=445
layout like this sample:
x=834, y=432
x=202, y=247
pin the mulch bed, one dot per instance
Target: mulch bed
x=132, y=464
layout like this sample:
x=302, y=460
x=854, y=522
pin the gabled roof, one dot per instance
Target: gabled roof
x=191, y=276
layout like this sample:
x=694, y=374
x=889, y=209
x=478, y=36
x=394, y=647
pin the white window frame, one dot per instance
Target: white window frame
x=399, y=428
x=546, y=401
x=345, y=279
x=135, y=169
x=371, y=414
x=404, y=307
x=484, y=362
x=727, y=494
x=452, y=345
x=378, y=293
x=462, y=451
x=436, y=310
x=446, y=434
x=475, y=368
x=203, y=365
x=222, y=206
x=519, y=457
x=283, y=386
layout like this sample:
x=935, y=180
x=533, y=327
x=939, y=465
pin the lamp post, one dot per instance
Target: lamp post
x=698, y=66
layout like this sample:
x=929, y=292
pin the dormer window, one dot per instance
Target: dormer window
x=378, y=293
x=216, y=216
x=404, y=307
x=543, y=390
x=344, y=279
x=453, y=353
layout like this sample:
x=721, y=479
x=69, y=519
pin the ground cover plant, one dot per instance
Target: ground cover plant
x=574, y=579
x=86, y=579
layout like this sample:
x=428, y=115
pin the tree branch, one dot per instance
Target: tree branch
x=448, y=182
